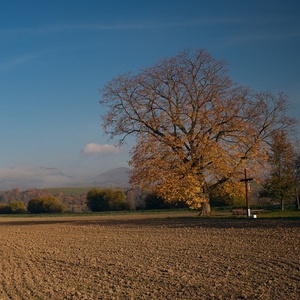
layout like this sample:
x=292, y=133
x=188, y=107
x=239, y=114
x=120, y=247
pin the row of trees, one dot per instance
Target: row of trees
x=73, y=202
x=25, y=196
x=48, y=204
x=282, y=185
x=96, y=200
x=114, y=200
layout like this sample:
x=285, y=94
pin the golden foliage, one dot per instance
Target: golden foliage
x=195, y=128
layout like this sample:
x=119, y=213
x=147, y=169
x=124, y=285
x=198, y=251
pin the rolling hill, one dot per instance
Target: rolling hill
x=118, y=177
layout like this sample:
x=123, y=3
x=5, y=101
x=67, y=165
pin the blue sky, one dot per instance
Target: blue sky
x=55, y=55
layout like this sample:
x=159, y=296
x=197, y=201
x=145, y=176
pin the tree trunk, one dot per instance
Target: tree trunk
x=282, y=204
x=205, y=209
x=298, y=202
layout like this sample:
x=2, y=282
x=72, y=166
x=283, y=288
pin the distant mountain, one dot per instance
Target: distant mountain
x=118, y=177
x=44, y=177
x=39, y=177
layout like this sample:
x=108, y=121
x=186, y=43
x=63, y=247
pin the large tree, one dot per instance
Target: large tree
x=195, y=128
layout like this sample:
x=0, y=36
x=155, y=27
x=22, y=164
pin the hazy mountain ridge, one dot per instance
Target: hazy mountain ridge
x=118, y=177
x=45, y=177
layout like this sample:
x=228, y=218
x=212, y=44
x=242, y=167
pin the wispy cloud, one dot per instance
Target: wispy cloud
x=99, y=150
x=262, y=36
x=97, y=27
x=16, y=61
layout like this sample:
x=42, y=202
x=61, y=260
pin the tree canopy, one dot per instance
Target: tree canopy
x=106, y=199
x=280, y=184
x=195, y=128
x=48, y=204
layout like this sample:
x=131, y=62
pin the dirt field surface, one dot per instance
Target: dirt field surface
x=149, y=257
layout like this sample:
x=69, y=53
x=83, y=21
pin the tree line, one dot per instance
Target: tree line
x=274, y=189
x=97, y=199
x=47, y=204
x=73, y=203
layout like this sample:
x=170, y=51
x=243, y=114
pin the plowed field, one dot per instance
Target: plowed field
x=149, y=257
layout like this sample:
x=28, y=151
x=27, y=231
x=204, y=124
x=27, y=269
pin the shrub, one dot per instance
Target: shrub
x=152, y=201
x=17, y=207
x=49, y=204
x=222, y=199
x=4, y=208
x=96, y=201
x=117, y=200
x=106, y=199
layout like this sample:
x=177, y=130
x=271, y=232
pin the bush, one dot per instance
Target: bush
x=15, y=207
x=4, y=208
x=117, y=200
x=152, y=201
x=106, y=199
x=221, y=199
x=49, y=204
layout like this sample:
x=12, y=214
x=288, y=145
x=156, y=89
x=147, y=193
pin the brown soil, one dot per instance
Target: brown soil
x=149, y=257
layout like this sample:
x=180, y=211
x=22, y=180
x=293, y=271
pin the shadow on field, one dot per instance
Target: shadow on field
x=198, y=223
x=163, y=222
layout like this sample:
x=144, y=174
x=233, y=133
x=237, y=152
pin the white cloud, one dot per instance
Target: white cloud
x=100, y=150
